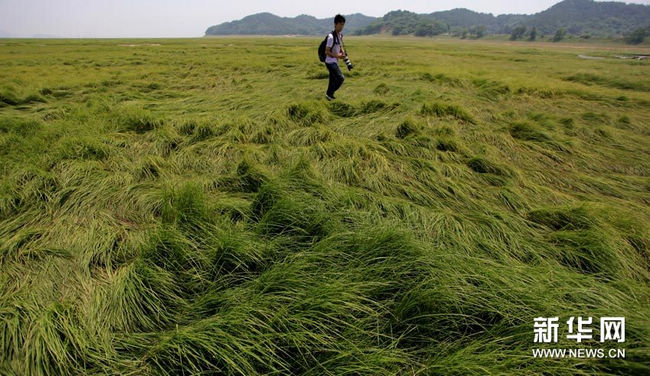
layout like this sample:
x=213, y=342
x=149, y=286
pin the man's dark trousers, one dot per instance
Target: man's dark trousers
x=336, y=78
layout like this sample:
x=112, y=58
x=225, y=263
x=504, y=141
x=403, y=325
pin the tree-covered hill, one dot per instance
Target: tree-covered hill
x=576, y=17
x=270, y=24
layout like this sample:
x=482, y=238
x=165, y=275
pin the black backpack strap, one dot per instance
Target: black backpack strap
x=336, y=38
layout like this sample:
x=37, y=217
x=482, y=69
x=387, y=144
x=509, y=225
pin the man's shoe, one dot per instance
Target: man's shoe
x=329, y=98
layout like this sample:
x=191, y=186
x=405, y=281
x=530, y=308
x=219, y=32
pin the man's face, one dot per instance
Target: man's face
x=339, y=26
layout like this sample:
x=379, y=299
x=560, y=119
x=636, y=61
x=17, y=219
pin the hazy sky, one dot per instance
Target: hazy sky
x=190, y=18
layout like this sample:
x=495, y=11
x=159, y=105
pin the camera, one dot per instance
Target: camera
x=347, y=62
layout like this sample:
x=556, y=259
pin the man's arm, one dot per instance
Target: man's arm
x=328, y=52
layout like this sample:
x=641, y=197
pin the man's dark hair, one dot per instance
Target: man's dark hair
x=339, y=19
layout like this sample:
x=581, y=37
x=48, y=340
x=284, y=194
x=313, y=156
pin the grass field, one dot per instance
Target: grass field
x=196, y=207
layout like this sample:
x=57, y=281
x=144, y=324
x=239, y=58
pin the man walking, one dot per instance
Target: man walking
x=333, y=52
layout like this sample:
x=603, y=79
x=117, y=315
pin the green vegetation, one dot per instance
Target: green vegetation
x=177, y=207
x=559, y=35
x=637, y=36
x=518, y=32
x=442, y=109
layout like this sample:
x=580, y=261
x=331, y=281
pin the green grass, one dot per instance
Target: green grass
x=197, y=207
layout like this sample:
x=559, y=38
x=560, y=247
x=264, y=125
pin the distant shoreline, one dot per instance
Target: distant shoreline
x=492, y=39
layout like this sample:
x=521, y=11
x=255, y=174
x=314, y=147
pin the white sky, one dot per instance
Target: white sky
x=190, y=18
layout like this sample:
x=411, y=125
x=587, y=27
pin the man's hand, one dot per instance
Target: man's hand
x=340, y=55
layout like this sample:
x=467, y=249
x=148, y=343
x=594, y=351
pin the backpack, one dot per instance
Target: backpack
x=322, y=47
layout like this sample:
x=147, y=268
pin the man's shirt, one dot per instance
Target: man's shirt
x=335, y=50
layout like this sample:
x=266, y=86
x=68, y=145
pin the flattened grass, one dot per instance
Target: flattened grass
x=196, y=207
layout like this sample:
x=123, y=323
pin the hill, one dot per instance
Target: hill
x=605, y=19
x=577, y=17
x=270, y=24
x=592, y=17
